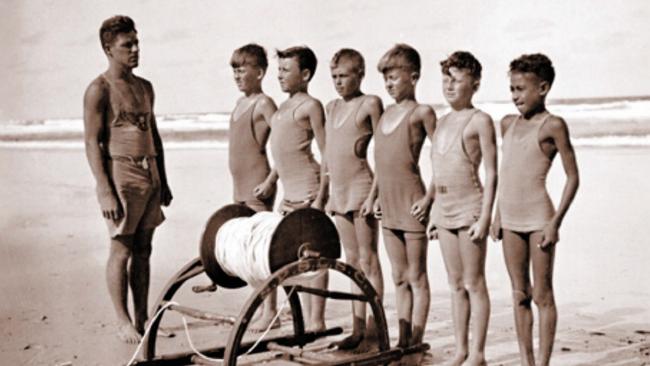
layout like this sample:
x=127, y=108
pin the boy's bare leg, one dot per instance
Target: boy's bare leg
x=116, y=280
x=473, y=259
x=416, y=254
x=346, y=230
x=543, y=296
x=366, y=230
x=395, y=248
x=317, y=308
x=139, y=273
x=460, y=305
x=516, y=254
x=269, y=311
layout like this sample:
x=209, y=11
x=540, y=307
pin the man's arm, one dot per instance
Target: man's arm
x=262, y=114
x=166, y=193
x=95, y=103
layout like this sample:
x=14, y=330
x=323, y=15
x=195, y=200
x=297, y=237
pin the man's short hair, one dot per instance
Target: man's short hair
x=250, y=54
x=359, y=64
x=462, y=60
x=305, y=56
x=400, y=56
x=113, y=26
x=536, y=63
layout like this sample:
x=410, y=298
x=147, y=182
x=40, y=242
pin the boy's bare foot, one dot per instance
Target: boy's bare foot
x=348, y=343
x=316, y=327
x=478, y=360
x=458, y=359
x=127, y=333
x=262, y=323
x=166, y=333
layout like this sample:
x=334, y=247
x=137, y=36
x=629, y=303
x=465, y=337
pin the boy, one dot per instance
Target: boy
x=462, y=209
x=125, y=154
x=247, y=136
x=403, y=204
x=350, y=123
x=298, y=121
x=525, y=216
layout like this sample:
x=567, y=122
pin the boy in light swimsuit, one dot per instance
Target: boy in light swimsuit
x=525, y=217
x=125, y=154
x=350, y=123
x=299, y=120
x=462, y=208
x=403, y=203
x=247, y=136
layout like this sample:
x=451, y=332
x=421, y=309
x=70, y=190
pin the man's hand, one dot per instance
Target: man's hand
x=479, y=230
x=420, y=208
x=110, y=205
x=166, y=195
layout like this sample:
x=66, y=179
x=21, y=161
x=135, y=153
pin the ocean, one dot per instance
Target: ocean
x=616, y=121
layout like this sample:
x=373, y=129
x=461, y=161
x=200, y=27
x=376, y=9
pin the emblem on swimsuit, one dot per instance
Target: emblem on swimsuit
x=137, y=119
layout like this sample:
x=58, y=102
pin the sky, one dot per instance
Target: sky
x=51, y=51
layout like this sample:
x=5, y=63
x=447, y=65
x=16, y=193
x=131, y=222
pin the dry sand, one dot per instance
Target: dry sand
x=54, y=307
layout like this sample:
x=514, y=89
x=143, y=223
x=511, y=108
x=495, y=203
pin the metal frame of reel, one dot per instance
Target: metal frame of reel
x=311, y=234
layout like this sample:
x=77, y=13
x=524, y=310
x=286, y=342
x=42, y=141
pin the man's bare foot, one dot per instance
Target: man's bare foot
x=263, y=322
x=348, y=343
x=127, y=333
x=458, y=359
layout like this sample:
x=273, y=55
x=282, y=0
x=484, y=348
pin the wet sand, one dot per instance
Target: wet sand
x=54, y=306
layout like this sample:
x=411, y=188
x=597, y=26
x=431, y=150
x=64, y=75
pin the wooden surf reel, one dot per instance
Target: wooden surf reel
x=303, y=242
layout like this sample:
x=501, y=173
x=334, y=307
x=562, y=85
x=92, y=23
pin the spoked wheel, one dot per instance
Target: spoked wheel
x=234, y=347
x=189, y=271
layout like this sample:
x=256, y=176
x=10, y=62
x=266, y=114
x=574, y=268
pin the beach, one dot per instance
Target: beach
x=55, y=307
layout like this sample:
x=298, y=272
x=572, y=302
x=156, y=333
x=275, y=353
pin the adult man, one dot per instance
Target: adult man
x=125, y=154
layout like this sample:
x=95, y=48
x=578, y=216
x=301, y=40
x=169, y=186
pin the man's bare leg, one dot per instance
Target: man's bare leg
x=116, y=279
x=139, y=274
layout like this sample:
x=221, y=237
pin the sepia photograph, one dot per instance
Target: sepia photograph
x=289, y=182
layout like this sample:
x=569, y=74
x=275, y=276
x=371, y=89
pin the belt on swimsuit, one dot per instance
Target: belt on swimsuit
x=141, y=161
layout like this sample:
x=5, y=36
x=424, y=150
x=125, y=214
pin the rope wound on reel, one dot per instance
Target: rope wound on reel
x=267, y=241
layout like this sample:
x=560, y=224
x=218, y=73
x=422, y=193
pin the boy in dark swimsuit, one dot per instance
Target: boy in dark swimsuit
x=350, y=123
x=403, y=203
x=298, y=121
